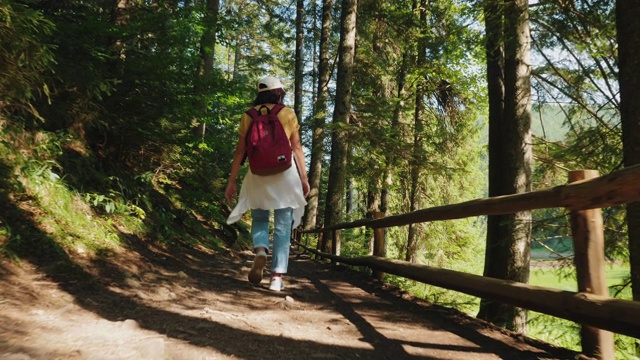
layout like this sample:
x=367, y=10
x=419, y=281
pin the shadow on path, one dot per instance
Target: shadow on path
x=478, y=336
x=224, y=275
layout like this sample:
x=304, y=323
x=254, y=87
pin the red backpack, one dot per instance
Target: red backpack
x=268, y=147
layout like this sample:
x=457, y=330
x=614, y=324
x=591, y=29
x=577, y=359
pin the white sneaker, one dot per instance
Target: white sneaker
x=276, y=284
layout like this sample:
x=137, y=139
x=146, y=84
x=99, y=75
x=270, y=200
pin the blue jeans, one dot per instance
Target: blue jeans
x=282, y=221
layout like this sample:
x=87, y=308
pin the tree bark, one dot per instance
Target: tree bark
x=120, y=17
x=237, y=55
x=208, y=40
x=508, y=251
x=416, y=162
x=387, y=180
x=627, y=12
x=207, y=58
x=299, y=66
x=342, y=110
x=319, y=118
x=628, y=30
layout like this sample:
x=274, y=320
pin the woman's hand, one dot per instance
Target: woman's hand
x=231, y=191
x=305, y=187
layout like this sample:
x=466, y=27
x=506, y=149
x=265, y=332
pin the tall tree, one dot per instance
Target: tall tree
x=207, y=58
x=401, y=80
x=508, y=251
x=319, y=118
x=416, y=163
x=628, y=27
x=342, y=111
x=299, y=64
x=208, y=39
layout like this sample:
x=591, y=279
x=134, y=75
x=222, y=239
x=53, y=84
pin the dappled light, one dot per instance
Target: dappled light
x=319, y=179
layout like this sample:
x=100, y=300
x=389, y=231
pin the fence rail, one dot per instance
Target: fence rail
x=594, y=311
x=613, y=189
x=620, y=316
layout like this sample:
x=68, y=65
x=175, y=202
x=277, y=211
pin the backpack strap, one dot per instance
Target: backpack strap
x=276, y=109
x=253, y=113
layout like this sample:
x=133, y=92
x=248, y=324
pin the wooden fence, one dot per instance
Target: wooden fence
x=583, y=197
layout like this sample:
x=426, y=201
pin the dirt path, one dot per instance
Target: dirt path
x=151, y=303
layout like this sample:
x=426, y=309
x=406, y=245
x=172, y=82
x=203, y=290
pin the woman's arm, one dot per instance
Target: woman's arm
x=238, y=155
x=298, y=154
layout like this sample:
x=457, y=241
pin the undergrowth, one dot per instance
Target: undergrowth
x=54, y=211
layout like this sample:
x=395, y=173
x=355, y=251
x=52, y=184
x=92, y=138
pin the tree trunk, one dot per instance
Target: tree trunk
x=395, y=127
x=314, y=51
x=208, y=40
x=342, y=111
x=628, y=29
x=237, y=56
x=120, y=17
x=627, y=12
x=299, y=71
x=416, y=162
x=207, y=58
x=319, y=118
x=351, y=194
x=508, y=252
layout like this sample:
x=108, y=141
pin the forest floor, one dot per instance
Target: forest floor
x=149, y=302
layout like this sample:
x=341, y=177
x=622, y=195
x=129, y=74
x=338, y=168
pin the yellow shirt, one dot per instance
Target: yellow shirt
x=286, y=116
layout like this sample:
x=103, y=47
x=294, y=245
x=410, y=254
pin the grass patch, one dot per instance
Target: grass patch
x=565, y=278
x=566, y=333
x=41, y=213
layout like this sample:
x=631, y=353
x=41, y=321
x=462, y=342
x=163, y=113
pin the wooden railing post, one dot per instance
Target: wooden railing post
x=379, y=246
x=588, y=243
x=294, y=238
x=335, y=246
x=321, y=237
x=298, y=237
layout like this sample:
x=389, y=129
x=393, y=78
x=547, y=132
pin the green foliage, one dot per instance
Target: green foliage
x=25, y=56
x=114, y=150
x=38, y=193
x=48, y=217
x=553, y=330
x=582, y=147
x=356, y=242
x=382, y=130
x=111, y=206
x=575, y=72
x=578, y=120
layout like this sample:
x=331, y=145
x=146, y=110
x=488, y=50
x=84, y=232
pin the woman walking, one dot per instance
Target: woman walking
x=283, y=193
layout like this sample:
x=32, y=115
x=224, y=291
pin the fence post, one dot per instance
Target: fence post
x=321, y=239
x=298, y=238
x=588, y=242
x=335, y=246
x=379, y=248
x=294, y=238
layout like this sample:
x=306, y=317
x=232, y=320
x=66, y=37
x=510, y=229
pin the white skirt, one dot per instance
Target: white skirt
x=269, y=193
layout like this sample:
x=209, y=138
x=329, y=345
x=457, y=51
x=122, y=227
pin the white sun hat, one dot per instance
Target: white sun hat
x=269, y=83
